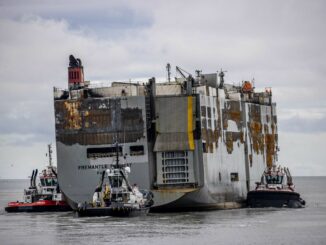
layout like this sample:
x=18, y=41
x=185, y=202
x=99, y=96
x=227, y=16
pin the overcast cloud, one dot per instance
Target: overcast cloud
x=278, y=43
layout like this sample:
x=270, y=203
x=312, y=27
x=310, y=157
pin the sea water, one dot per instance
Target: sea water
x=239, y=226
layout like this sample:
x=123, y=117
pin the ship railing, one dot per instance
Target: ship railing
x=100, y=85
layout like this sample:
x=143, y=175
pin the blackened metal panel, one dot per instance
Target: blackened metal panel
x=98, y=121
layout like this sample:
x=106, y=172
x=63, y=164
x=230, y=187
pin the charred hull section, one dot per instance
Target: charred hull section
x=274, y=199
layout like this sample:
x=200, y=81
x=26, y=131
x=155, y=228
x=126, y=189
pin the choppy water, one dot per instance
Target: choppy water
x=241, y=226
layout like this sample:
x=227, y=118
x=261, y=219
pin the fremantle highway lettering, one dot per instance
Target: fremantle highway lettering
x=99, y=167
x=95, y=166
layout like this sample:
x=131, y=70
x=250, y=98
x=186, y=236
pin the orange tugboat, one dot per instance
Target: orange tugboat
x=44, y=198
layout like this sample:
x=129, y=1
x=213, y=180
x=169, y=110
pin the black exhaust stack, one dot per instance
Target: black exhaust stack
x=34, y=179
x=31, y=180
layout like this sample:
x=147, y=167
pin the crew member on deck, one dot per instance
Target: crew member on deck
x=107, y=195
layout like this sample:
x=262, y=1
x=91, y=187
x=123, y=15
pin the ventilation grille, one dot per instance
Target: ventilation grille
x=175, y=167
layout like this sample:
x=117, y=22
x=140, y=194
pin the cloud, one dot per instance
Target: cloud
x=303, y=121
x=302, y=153
x=18, y=162
x=106, y=20
x=305, y=114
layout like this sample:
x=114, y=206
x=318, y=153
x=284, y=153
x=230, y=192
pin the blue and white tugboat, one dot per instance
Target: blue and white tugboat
x=276, y=189
x=114, y=196
x=46, y=197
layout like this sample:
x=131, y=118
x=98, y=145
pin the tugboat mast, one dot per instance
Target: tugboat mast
x=50, y=154
x=117, y=153
x=168, y=69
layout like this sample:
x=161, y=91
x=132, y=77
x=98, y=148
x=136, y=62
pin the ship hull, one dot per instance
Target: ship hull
x=39, y=206
x=114, y=212
x=200, y=148
x=196, y=199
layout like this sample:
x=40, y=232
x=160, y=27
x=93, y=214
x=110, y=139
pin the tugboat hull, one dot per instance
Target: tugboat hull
x=274, y=198
x=114, y=212
x=39, y=206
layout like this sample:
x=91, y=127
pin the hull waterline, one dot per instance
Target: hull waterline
x=40, y=206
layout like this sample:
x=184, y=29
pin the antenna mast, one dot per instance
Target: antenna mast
x=221, y=75
x=168, y=69
x=116, y=134
x=117, y=153
x=50, y=154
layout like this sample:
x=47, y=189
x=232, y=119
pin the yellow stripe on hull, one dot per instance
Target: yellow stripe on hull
x=190, y=123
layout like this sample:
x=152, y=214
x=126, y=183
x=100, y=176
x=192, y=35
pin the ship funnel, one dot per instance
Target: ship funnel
x=75, y=73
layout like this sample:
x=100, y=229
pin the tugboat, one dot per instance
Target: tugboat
x=116, y=197
x=43, y=198
x=272, y=191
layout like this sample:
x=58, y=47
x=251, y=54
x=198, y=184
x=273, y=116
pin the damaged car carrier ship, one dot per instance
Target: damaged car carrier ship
x=196, y=142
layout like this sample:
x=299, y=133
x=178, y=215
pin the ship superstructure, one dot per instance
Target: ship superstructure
x=196, y=142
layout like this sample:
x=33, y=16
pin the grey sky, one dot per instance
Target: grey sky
x=279, y=43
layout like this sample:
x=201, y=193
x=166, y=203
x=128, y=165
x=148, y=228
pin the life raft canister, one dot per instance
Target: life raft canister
x=247, y=87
